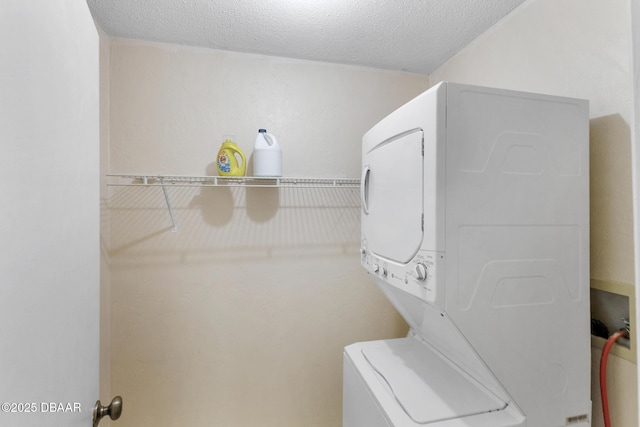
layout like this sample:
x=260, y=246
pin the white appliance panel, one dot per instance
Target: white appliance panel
x=369, y=401
x=517, y=232
x=427, y=386
x=392, y=195
x=422, y=275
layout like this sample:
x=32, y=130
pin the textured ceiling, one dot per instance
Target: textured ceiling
x=409, y=35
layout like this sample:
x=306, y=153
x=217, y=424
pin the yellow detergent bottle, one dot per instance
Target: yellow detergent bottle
x=231, y=160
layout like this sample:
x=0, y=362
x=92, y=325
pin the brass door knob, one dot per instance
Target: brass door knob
x=113, y=410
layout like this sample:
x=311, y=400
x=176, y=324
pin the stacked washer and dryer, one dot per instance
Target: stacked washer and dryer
x=475, y=225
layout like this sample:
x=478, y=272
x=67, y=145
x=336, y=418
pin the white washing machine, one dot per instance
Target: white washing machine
x=475, y=224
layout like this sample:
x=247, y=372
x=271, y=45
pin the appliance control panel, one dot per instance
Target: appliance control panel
x=417, y=277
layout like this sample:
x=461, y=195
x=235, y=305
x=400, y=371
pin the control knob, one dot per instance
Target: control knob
x=421, y=271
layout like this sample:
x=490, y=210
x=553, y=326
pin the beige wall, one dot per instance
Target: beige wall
x=239, y=319
x=578, y=48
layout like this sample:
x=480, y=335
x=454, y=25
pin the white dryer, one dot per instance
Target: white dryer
x=475, y=224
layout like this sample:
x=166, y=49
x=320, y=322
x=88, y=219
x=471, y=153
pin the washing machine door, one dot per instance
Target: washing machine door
x=392, y=195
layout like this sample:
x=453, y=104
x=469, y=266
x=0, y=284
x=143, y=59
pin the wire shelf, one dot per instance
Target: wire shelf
x=229, y=181
x=165, y=181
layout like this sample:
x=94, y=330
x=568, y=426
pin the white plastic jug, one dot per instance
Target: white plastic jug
x=267, y=155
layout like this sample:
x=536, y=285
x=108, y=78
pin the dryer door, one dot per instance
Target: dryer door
x=392, y=196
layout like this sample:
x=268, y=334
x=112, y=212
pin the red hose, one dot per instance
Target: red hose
x=603, y=375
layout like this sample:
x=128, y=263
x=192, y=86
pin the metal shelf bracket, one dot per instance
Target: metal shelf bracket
x=166, y=199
